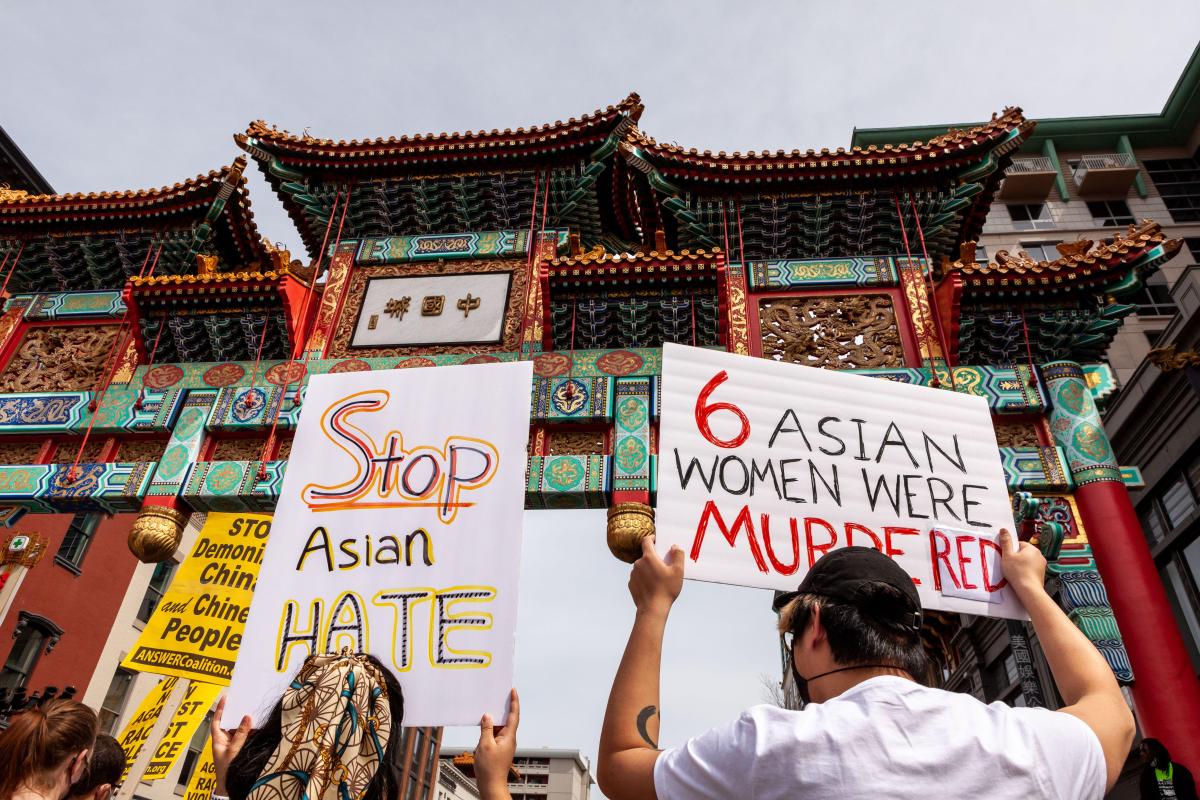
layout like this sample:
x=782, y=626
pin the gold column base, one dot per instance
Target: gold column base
x=628, y=524
x=156, y=533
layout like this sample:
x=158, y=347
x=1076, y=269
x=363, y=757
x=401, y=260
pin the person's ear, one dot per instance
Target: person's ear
x=78, y=766
x=103, y=792
x=818, y=630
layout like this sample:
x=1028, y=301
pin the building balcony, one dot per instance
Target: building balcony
x=1028, y=178
x=1105, y=174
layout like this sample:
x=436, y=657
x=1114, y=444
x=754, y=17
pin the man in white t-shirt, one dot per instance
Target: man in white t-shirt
x=870, y=729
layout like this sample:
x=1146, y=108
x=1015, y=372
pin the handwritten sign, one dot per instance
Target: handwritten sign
x=765, y=467
x=398, y=533
x=196, y=630
x=191, y=711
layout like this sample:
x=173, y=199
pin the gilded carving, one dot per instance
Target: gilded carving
x=20, y=452
x=1016, y=434
x=739, y=338
x=1168, y=359
x=842, y=332
x=142, y=450
x=59, y=359
x=238, y=450
x=916, y=292
x=573, y=443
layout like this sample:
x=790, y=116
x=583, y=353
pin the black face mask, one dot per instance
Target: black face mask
x=802, y=682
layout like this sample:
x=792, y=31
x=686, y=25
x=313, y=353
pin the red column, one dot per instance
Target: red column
x=1166, y=691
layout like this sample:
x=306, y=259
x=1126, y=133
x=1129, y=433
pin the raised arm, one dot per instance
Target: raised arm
x=1083, y=677
x=629, y=740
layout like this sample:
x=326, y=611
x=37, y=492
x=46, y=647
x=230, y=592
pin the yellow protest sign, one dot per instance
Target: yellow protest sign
x=204, y=776
x=196, y=703
x=196, y=630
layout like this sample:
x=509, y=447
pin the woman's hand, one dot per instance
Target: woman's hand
x=226, y=744
x=494, y=753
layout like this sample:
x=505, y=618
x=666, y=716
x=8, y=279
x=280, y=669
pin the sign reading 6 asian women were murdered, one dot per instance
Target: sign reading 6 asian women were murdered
x=398, y=533
x=196, y=629
x=765, y=467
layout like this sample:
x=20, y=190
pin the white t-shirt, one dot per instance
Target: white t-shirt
x=889, y=738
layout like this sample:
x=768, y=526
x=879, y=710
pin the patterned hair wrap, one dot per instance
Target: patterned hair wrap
x=336, y=722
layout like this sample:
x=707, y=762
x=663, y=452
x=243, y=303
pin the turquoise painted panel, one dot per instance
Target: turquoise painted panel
x=52, y=488
x=567, y=482
x=68, y=305
x=572, y=399
x=821, y=272
x=631, y=440
x=1035, y=469
x=183, y=448
x=485, y=244
x=233, y=486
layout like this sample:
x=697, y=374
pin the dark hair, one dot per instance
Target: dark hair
x=40, y=740
x=1160, y=756
x=105, y=765
x=248, y=765
x=861, y=632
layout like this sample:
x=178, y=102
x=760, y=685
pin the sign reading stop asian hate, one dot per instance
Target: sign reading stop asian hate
x=398, y=533
x=764, y=467
x=196, y=630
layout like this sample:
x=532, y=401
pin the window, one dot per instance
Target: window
x=77, y=541
x=1110, y=213
x=114, y=700
x=1152, y=524
x=1030, y=217
x=1177, y=502
x=159, y=581
x=195, y=749
x=1184, y=599
x=1193, y=245
x=1153, y=299
x=1001, y=680
x=1041, y=251
x=32, y=636
x=1178, y=183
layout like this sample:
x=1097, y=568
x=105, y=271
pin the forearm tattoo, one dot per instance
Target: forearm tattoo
x=643, y=720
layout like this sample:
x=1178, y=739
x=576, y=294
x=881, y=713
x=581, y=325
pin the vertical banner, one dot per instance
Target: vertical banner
x=196, y=630
x=195, y=705
x=764, y=467
x=398, y=533
x=203, y=782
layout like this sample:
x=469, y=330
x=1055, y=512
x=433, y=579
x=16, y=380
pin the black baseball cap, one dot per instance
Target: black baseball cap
x=843, y=575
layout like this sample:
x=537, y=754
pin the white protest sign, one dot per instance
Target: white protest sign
x=398, y=533
x=765, y=467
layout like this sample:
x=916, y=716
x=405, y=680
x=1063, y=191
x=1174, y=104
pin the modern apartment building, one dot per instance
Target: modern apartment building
x=539, y=774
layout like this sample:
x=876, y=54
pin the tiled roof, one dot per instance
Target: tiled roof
x=449, y=143
x=21, y=202
x=943, y=146
x=1078, y=261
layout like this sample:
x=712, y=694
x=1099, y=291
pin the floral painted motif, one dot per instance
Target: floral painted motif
x=569, y=397
x=173, y=462
x=248, y=405
x=189, y=424
x=223, y=478
x=548, y=365
x=162, y=376
x=286, y=372
x=351, y=365
x=418, y=361
x=631, y=413
x=630, y=454
x=223, y=375
x=619, y=362
x=564, y=473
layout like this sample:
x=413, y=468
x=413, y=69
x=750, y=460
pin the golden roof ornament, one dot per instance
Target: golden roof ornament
x=156, y=533
x=1074, y=249
x=9, y=194
x=628, y=524
x=1168, y=359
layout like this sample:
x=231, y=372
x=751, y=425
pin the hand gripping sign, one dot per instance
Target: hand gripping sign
x=398, y=533
x=765, y=467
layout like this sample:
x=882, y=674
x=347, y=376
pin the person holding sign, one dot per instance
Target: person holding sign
x=871, y=728
x=345, y=707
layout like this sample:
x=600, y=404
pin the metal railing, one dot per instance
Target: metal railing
x=1101, y=161
x=1026, y=164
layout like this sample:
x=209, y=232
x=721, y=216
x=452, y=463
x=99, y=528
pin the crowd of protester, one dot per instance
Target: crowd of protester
x=871, y=726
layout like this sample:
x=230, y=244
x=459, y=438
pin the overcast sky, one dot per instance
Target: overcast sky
x=121, y=95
